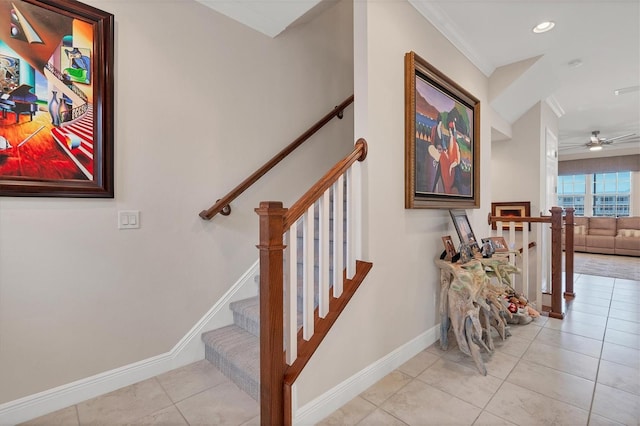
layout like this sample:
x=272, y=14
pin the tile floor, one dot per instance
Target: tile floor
x=584, y=370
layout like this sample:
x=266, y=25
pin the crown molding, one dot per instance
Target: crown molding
x=434, y=14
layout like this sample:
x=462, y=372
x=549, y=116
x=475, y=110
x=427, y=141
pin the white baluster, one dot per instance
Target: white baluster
x=323, y=255
x=307, y=282
x=351, y=254
x=291, y=295
x=525, y=260
x=499, y=228
x=338, y=236
x=512, y=247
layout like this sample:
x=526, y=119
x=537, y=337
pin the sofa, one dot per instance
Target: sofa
x=606, y=235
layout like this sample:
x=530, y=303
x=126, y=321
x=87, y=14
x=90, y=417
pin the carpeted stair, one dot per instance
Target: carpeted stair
x=235, y=349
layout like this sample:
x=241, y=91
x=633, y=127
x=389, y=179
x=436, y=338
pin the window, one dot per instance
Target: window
x=572, y=192
x=597, y=194
x=611, y=194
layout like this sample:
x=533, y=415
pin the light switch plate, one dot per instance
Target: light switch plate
x=128, y=219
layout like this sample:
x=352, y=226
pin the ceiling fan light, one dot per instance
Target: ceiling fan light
x=595, y=148
x=543, y=27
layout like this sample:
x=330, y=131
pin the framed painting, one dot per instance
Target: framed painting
x=463, y=228
x=56, y=99
x=499, y=244
x=442, y=140
x=511, y=209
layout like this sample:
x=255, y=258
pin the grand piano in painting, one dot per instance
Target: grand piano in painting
x=19, y=101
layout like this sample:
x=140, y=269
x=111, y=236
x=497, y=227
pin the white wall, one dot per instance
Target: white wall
x=398, y=299
x=201, y=102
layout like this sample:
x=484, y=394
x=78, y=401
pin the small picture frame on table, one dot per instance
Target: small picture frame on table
x=449, y=248
x=463, y=228
x=499, y=244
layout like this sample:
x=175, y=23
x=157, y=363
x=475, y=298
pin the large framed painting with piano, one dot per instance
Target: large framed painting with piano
x=56, y=99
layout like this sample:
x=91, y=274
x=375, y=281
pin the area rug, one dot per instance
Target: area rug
x=606, y=265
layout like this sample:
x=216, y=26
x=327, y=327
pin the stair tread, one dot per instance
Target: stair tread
x=250, y=305
x=238, y=346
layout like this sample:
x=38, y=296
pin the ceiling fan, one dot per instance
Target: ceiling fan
x=596, y=142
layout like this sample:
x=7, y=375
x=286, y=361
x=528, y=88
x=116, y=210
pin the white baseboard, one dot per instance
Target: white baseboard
x=189, y=349
x=316, y=410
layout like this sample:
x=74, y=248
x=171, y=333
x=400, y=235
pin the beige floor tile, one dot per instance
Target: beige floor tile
x=615, y=404
x=487, y=419
x=596, y=280
x=498, y=364
x=124, y=405
x=589, y=307
x=619, y=376
x=421, y=404
x=597, y=420
x=586, y=293
x=561, y=359
x=191, y=379
x=586, y=318
x=381, y=418
x=386, y=387
x=435, y=349
x=622, y=338
x=627, y=296
x=65, y=417
x=623, y=306
x=169, y=416
x=526, y=332
x=584, y=299
x=461, y=381
x=627, y=284
x=625, y=315
x=418, y=363
x=570, y=342
x=621, y=355
x=224, y=404
x=553, y=383
x=525, y=407
x=350, y=414
x=514, y=346
x=622, y=325
x=581, y=329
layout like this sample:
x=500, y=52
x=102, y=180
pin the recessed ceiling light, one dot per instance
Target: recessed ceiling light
x=626, y=90
x=543, y=27
x=595, y=148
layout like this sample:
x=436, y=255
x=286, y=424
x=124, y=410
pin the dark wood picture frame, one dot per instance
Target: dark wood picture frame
x=463, y=228
x=511, y=208
x=449, y=247
x=442, y=140
x=61, y=101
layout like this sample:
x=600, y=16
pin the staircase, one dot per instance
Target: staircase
x=235, y=349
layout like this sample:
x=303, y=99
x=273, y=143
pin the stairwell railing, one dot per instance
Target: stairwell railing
x=338, y=276
x=556, y=220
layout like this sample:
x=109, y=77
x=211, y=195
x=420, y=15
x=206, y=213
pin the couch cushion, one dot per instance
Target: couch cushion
x=629, y=222
x=580, y=230
x=628, y=233
x=628, y=243
x=605, y=226
x=600, y=241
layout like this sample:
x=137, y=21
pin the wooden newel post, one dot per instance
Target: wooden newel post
x=556, y=263
x=271, y=317
x=568, y=252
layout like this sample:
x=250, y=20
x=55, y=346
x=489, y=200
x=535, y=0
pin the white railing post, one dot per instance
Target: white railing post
x=323, y=255
x=351, y=257
x=525, y=260
x=307, y=280
x=291, y=294
x=338, y=236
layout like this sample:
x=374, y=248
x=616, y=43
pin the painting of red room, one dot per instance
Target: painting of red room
x=56, y=99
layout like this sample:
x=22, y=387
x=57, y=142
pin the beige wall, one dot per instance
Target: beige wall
x=397, y=301
x=201, y=102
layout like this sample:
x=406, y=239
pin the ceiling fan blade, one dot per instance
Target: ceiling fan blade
x=619, y=137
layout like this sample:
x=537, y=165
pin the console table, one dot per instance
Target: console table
x=470, y=303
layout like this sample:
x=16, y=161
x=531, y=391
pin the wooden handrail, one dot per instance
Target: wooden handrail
x=222, y=205
x=359, y=153
x=276, y=378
